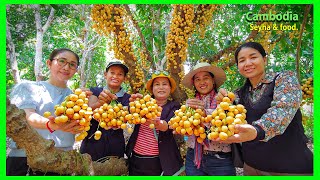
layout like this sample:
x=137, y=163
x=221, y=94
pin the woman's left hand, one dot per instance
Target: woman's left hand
x=195, y=103
x=72, y=127
x=161, y=125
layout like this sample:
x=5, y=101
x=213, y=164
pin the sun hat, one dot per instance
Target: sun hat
x=219, y=75
x=158, y=74
x=118, y=63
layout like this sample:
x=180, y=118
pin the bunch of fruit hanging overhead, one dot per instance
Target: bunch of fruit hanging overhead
x=109, y=20
x=307, y=91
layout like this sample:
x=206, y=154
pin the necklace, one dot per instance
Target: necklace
x=58, y=90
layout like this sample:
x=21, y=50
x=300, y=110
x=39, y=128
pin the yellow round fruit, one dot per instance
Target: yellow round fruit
x=98, y=133
x=85, y=106
x=102, y=124
x=224, y=105
x=76, y=116
x=223, y=136
x=183, y=131
x=123, y=126
x=46, y=114
x=143, y=120
x=73, y=97
x=77, y=91
x=222, y=115
x=97, y=137
x=200, y=140
x=70, y=111
x=186, y=124
x=82, y=122
x=226, y=99
x=70, y=104
x=129, y=130
x=60, y=109
x=63, y=118
x=214, y=135
x=240, y=107
x=82, y=96
x=151, y=126
x=231, y=96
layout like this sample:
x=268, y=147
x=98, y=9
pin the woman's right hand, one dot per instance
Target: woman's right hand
x=133, y=97
x=106, y=97
x=245, y=132
x=224, y=93
x=87, y=91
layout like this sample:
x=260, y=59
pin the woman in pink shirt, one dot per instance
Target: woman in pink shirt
x=154, y=152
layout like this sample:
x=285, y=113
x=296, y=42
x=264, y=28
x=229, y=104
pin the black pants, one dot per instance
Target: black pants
x=17, y=166
x=140, y=165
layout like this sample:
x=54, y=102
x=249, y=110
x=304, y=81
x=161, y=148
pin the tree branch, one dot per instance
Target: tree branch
x=232, y=48
x=49, y=20
x=12, y=56
x=306, y=12
x=43, y=156
x=143, y=41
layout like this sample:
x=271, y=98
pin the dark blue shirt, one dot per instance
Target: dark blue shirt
x=111, y=142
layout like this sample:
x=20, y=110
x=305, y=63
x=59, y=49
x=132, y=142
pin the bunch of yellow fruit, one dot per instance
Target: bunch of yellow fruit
x=110, y=116
x=224, y=118
x=188, y=121
x=307, y=90
x=110, y=20
x=304, y=119
x=143, y=109
x=204, y=16
x=181, y=29
x=74, y=107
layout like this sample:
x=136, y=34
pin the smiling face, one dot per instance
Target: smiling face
x=203, y=82
x=251, y=63
x=114, y=77
x=161, y=88
x=60, y=74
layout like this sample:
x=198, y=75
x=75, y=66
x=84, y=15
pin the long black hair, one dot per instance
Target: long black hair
x=254, y=45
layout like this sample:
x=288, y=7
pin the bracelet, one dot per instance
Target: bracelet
x=50, y=130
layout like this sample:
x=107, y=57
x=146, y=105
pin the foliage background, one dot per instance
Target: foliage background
x=219, y=44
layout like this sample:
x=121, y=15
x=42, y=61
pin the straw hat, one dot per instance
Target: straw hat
x=219, y=75
x=161, y=74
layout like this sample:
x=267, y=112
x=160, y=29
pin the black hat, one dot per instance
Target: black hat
x=119, y=63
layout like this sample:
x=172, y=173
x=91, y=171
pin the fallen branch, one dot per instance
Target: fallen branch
x=43, y=156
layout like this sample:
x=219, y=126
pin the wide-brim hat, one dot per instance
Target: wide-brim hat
x=161, y=74
x=118, y=63
x=218, y=73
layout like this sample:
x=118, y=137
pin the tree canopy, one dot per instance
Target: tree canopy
x=158, y=37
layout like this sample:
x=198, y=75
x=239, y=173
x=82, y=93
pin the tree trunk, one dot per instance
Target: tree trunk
x=176, y=54
x=39, y=41
x=85, y=51
x=89, y=44
x=43, y=156
x=305, y=16
x=12, y=55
